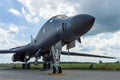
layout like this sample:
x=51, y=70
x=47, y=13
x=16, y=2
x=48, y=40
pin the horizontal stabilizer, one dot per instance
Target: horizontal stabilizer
x=83, y=54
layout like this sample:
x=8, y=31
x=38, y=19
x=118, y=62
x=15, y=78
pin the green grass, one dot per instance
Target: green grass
x=110, y=66
x=101, y=66
x=75, y=66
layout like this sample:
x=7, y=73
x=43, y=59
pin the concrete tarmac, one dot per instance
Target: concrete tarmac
x=36, y=74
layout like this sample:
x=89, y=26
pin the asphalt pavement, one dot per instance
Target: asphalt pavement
x=37, y=74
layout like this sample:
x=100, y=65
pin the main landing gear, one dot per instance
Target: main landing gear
x=26, y=65
x=57, y=70
x=46, y=66
x=56, y=51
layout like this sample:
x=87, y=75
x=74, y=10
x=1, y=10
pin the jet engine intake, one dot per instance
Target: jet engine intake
x=18, y=57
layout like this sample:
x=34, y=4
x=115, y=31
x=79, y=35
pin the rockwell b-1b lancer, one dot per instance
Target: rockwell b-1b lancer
x=58, y=31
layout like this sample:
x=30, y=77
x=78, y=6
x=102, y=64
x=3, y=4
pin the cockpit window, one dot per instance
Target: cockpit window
x=60, y=16
x=57, y=17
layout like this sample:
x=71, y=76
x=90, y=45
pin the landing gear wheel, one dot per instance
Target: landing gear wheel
x=54, y=70
x=48, y=65
x=23, y=66
x=44, y=65
x=59, y=69
x=26, y=66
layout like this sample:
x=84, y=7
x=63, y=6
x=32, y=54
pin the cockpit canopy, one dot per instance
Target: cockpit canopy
x=58, y=17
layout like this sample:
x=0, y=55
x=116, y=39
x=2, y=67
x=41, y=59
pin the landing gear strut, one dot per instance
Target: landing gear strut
x=26, y=65
x=56, y=51
x=46, y=65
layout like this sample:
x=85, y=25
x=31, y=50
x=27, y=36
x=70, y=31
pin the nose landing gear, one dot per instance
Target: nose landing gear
x=56, y=51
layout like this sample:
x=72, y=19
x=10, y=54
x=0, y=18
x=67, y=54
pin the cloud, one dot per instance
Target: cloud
x=7, y=58
x=33, y=11
x=102, y=44
x=13, y=29
x=30, y=18
x=8, y=40
x=1, y=4
x=15, y=12
x=105, y=11
x=106, y=44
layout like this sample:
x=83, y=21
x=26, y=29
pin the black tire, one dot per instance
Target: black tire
x=23, y=66
x=54, y=70
x=59, y=70
x=48, y=65
x=44, y=65
x=28, y=66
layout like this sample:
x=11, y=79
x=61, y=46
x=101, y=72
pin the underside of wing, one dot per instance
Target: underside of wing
x=83, y=54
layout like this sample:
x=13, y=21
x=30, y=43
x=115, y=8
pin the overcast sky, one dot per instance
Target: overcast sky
x=19, y=19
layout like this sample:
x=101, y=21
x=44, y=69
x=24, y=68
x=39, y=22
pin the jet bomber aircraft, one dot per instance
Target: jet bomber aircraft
x=58, y=31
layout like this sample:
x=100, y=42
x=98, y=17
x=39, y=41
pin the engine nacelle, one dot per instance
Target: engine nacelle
x=18, y=57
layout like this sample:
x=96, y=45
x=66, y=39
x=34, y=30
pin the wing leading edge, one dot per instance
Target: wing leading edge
x=83, y=54
x=12, y=50
x=6, y=51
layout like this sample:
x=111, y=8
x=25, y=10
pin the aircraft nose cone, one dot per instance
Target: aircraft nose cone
x=80, y=24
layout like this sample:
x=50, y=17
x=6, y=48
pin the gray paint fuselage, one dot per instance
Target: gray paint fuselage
x=58, y=28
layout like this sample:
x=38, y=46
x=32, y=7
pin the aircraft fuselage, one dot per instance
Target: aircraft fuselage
x=59, y=28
